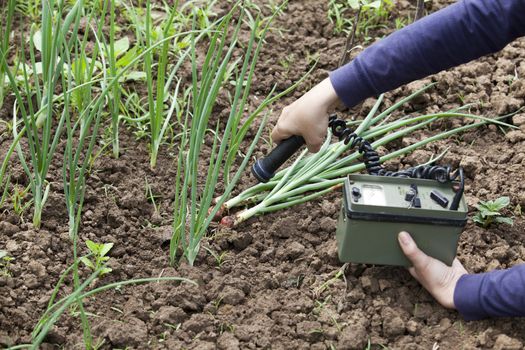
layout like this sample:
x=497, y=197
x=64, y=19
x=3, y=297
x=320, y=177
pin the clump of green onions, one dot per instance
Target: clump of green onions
x=82, y=133
x=36, y=98
x=193, y=210
x=161, y=66
x=81, y=136
x=312, y=176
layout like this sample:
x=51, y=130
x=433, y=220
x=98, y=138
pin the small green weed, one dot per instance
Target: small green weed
x=216, y=304
x=99, y=251
x=323, y=287
x=320, y=305
x=226, y=327
x=220, y=258
x=373, y=13
x=150, y=196
x=5, y=262
x=19, y=200
x=317, y=331
x=401, y=22
x=175, y=327
x=489, y=212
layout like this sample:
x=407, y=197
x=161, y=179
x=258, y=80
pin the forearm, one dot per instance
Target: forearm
x=498, y=293
x=457, y=34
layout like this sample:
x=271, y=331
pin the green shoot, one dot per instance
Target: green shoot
x=372, y=14
x=489, y=212
x=57, y=309
x=320, y=305
x=30, y=8
x=114, y=56
x=220, y=258
x=150, y=196
x=5, y=34
x=115, y=93
x=19, y=200
x=99, y=260
x=159, y=95
x=323, y=287
x=85, y=69
x=5, y=262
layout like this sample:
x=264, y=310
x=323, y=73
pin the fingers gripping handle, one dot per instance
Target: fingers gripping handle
x=265, y=168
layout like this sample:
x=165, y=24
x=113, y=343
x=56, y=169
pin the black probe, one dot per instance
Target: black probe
x=264, y=169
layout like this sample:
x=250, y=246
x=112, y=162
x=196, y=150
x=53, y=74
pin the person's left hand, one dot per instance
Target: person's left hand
x=438, y=279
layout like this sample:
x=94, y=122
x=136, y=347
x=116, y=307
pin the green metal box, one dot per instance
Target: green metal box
x=375, y=209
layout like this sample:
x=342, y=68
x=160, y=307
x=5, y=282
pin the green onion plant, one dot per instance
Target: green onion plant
x=5, y=34
x=81, y=131
x=153, y=117
x=56, y=308
x=194, y=187
x=159, y=93
x=106, y=60
x=85, y=67
x=114, y=101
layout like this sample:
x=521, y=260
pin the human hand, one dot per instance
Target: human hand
x=438, y=279
x=307, y=116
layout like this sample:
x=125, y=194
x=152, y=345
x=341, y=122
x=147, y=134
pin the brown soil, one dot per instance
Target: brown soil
x=267, y=293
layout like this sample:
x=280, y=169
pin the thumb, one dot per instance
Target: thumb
x=418, y=259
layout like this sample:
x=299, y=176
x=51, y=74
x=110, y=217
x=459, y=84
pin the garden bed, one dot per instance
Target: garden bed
x=275, y=281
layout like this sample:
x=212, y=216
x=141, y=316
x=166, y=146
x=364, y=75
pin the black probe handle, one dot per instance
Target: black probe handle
x=264, y=169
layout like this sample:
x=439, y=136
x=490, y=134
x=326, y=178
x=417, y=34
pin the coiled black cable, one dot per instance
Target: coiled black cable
x=372, y=160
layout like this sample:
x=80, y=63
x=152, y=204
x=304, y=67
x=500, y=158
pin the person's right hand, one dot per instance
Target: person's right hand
x=438, y=279
x=307, y=116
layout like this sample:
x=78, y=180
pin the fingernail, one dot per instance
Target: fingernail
x=404, y=238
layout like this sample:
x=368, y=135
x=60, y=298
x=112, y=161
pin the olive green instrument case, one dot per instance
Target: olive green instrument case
x=376, y=208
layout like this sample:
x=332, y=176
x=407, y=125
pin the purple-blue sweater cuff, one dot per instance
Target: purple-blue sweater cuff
x=467, y=297
x=347, y=82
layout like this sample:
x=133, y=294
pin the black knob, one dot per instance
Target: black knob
x=264, y=169
x=356, y=193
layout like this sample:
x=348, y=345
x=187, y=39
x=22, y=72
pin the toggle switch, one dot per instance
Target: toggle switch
x=439, y=198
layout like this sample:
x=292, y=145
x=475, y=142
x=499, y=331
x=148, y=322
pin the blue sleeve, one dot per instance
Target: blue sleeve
x=499, y=293
x=454, y=35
